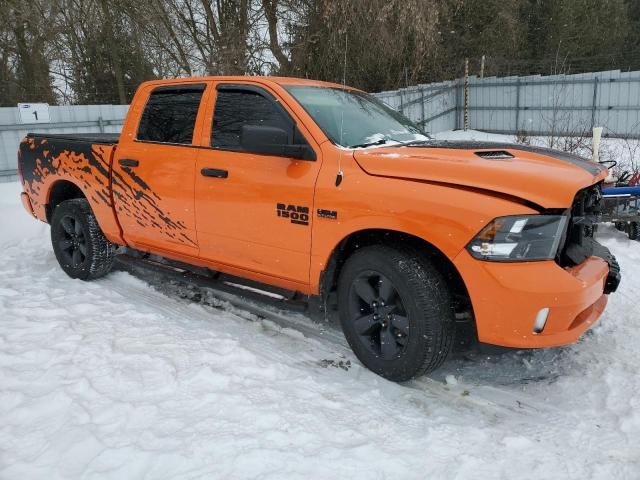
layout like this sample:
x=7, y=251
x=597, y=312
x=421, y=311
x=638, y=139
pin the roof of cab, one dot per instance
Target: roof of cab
x=269, y=80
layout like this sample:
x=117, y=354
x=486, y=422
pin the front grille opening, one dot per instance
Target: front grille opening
x=494, y=154
x=578, y=243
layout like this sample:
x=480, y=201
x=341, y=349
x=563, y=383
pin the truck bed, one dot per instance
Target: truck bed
x=93, y=138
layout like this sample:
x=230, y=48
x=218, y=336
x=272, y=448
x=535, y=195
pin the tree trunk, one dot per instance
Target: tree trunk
x=271, y=13
x=114, y=53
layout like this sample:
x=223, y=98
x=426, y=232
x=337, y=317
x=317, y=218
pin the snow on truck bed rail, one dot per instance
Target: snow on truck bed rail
x=112, y=379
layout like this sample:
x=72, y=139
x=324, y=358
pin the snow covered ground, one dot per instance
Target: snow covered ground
x=113, y=379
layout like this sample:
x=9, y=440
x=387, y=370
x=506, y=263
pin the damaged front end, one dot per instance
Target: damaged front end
x=579, y=242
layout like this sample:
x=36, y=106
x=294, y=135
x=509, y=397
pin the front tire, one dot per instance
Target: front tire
x=396, y=312
x=79, y=245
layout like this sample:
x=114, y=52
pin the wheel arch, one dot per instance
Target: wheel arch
x=59, y=191
x=394, y=238
x=66, y=188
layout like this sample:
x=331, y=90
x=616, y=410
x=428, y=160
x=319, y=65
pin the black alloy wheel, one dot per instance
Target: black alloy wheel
x=380, y=317
x=73, y=244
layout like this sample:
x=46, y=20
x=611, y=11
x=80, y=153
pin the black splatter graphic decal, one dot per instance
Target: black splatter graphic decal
x=87, y=165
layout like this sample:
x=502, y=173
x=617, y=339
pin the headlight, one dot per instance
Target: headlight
x=522, y=238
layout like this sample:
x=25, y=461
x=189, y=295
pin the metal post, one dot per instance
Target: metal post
x=594, y=104
x=422, y=106
x=517, y=105
x=482, y=68
x=466, y=94
x=101, y=124
x=458, y=88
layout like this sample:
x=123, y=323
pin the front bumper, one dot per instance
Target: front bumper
x=613, y=278
x=507, y=297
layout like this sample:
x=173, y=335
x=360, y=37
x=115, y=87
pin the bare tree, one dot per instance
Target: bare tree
x=24, y=35
x=387, y=42
x=99, y=50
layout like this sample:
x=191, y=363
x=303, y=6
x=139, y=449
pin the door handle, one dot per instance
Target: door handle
x=214, y=172
x=128, y=162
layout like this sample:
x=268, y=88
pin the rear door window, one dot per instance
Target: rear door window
x=170, y=114
x=236, y=108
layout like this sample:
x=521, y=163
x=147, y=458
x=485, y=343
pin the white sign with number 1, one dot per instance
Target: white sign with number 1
x=33, y=112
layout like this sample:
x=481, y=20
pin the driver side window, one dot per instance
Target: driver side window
x=236, y=108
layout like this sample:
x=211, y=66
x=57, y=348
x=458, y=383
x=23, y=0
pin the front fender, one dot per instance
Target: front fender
x=443, y=216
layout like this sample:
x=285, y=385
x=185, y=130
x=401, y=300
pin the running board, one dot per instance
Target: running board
x=265, y=303
x=285, y=308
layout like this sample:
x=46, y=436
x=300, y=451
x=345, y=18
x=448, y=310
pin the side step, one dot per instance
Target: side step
x=285, y=308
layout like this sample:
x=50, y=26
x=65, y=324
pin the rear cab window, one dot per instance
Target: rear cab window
x=170, y=114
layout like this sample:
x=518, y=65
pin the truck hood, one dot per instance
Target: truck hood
x=546, y=177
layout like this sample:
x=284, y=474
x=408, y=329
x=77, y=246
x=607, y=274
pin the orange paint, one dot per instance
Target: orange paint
x=444, y=196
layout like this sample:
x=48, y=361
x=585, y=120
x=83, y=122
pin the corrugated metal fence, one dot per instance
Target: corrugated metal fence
x=558, y=105
x=64, y=119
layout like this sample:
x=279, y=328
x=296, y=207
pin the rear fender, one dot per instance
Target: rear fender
x=87, y=166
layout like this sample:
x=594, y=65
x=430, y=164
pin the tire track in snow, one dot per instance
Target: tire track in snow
x=497, y=403
x=494, y=401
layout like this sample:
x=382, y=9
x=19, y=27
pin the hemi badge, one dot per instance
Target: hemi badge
x=331, y=214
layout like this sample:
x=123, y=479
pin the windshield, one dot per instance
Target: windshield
x=355, y=119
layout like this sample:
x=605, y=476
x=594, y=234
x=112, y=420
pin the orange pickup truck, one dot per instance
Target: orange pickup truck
x=321, y=191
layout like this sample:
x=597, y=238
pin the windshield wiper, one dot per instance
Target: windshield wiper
x=396, y=143
x=382, y=141
x=416, y=142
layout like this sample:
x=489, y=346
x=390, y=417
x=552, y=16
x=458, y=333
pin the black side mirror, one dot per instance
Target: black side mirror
x=273, y=141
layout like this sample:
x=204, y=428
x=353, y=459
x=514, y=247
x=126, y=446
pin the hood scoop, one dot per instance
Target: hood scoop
x=494, y=154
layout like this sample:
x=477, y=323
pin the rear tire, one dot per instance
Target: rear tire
x=396, y=312
x=633, y=230
x=79, y=245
